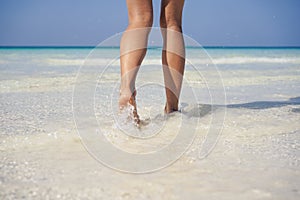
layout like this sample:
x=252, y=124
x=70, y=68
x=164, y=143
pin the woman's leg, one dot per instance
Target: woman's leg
x=133, y=49
x=173, y=54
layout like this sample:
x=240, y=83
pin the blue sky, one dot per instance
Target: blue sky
x=88, y=22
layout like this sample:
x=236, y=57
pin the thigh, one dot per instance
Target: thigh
x=139, y=9
x=171, y=11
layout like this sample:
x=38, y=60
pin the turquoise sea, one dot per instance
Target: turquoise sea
x=239, y=67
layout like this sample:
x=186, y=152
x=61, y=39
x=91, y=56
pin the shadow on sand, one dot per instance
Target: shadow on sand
x=201, y=110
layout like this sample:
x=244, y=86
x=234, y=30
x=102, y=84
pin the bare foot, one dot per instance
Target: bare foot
x=128, y=101
x=169, y=109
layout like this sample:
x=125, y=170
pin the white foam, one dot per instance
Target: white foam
x=248, y=59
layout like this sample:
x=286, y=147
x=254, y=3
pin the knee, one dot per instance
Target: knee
x=170, y=23
x=141, y=20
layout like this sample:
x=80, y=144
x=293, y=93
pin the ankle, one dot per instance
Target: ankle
x=127, y=97
x=169, y=108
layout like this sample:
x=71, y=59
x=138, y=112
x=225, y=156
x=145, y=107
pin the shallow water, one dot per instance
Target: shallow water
x=256, y=155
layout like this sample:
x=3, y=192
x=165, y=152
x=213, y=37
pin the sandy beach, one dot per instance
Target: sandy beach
x=257, y=155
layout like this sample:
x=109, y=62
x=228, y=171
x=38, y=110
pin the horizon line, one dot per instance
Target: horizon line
x=90, y=46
